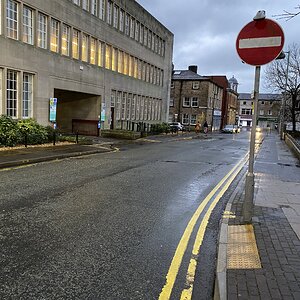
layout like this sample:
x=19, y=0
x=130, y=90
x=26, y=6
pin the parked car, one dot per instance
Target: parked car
x=229, y=129
x=176, y=126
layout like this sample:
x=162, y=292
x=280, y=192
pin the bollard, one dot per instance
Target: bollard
x=54, y=137
x=25, y=140
x=76, y=137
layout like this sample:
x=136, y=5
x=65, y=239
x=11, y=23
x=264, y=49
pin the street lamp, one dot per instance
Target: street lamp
x=282, y=119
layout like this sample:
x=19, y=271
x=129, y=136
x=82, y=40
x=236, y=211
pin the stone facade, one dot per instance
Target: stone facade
x=110, y=62
x=195, y=98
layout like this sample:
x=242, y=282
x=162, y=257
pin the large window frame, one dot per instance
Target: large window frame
x=85, y=47
x=75, y=43
x=12, y=93
x=27, y=95
x=65, y=40
x=42, y=31
x=54, y=35
x=28, y=32
x=12, y=16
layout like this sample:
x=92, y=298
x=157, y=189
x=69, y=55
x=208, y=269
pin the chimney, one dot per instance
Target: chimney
x=193, y=69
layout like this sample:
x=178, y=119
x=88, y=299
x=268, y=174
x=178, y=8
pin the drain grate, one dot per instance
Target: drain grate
x=242, y=250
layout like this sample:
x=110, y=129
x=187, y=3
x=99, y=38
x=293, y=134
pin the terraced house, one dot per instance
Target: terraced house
x=100, y=60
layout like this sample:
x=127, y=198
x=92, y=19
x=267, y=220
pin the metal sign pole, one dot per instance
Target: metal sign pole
x=249, y=187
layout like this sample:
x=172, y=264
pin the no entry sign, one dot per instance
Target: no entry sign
x=260, y=42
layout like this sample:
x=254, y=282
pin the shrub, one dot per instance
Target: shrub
x=9, y=132
x=36, y=133
x=160, y=128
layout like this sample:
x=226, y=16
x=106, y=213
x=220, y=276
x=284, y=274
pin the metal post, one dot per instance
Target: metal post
x=249, y=187
x=282, y=128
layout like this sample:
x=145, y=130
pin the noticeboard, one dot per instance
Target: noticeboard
x=52, y=109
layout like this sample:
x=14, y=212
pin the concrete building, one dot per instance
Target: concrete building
x=230, y=98
x=195, y=98
x=103, y=60
x=267, y=113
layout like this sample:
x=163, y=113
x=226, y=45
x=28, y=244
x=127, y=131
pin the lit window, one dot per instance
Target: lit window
x=94, y=7
x=27, y=25
x=102, y=10
x=93, y=51
x=131, y=66
x=65, y=41
x=100, y=54
x=108, y=57
x=11, y=93
x=116, y=16
x=27, y=95
x=126, y=59
x=42, y=31
x=135, y=68
x=114, y=59
x=121, y=20
x=54, y=35
x=195, y=85
x=120, y=62
x=75, y=44
x=12, y=19
x=84, y=47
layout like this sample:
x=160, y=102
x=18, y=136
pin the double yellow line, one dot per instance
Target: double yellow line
x=182, y=246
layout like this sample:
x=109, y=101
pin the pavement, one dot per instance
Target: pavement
x=256, y=261
x=261, y=260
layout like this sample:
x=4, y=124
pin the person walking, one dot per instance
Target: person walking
x=197, y=128
x=205, y=126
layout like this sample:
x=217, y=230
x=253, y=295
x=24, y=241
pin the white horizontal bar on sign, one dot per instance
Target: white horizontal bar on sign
x=273, y=41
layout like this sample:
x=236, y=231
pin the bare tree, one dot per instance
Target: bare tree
x=284, y=77
x=287, y=15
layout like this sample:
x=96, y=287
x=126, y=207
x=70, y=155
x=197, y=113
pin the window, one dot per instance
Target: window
x=146, y=109
x=118, y=108
x=116, y=16
x=138, y=106
x=27, y=25
x=123, y=107
x=84, y=47
x=195, y=102
x=137, y=31
x=94, y=7
x=12, y=19
x=102, y=10
x=131, y=66
x=1, y=89
x=140, y=69
x=133, y=107
x=261, y=112
x=145, y=36
x=120, y=62
x=75, y=44
x=108, y=57
x=172, y=85
x=93, y=51
x=185, y=119
x=132, y=21
x=244, y=102
x=109, y=12
x=114, y=59
x=128, y=106
x=269, y=113
x=112, y=98
x=127, y=24
x=142, y=34
x=246, y=111
x=85, y=4
x=65, y=41
x=54, y=35
x=27, y=95
x=77, y=2
x=100, y=54
x=11, y=93
x=42, y=31
x=186, y=102
x=262, y=102
x=193, y=119
x=135, y=68
x=142, y=108
x=149, y=39
x=195, y=85
x=171, y=102
x=126, y=67
x=121, y=20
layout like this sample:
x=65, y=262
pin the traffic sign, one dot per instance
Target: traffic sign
x=260, y=42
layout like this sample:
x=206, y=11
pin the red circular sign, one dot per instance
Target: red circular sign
x=260, y=42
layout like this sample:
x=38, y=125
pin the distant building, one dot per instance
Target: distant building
x=103, y=60
x=267, y=112
x=230, y=98
x=195, y=98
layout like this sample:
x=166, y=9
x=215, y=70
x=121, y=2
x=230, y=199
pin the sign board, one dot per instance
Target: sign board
x=52, y=109
x=260, y=42
x=103, y=115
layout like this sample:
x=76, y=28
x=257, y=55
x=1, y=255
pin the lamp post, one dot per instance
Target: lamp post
x=282, y=119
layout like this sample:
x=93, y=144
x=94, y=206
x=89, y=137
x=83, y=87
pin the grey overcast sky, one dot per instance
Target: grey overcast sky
x=205, y=33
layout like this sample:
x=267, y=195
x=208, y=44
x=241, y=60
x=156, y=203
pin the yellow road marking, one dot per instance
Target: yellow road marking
x=190, y=277
x=181, y=248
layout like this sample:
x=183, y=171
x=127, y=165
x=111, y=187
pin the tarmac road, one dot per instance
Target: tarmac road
x=106, y=226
